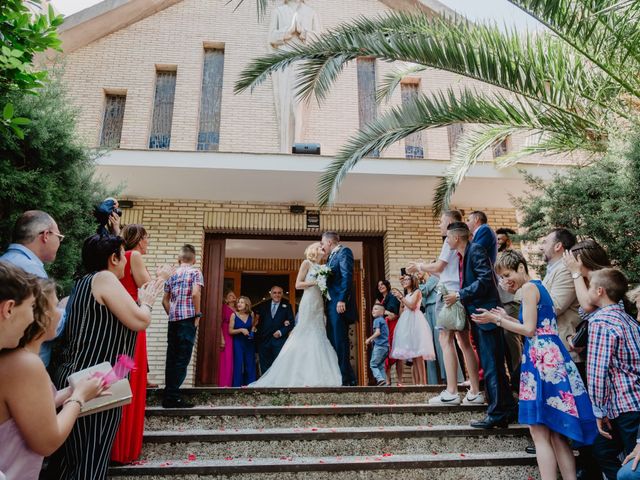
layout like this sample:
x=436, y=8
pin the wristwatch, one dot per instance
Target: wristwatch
x=575, y=275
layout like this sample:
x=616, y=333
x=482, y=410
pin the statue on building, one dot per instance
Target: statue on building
x=291, y=23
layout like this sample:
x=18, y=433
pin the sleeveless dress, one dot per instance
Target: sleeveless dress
x=244, y=354
x=128, y=442
x=413, y=337
x=551, y=390
x=92, y=335
x=307, y=358
x=225, y=369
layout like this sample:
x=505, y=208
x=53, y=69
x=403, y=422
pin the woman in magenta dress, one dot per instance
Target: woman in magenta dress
x=225, y=371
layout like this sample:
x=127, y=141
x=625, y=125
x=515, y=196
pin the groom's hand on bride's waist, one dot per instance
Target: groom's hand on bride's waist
x=341, y=307
x=277, y=334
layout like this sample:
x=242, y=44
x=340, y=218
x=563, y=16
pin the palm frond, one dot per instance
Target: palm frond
x=261, y=6
x=392, y=79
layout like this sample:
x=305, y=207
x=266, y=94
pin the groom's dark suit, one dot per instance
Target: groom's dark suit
x=340, y=286
x=268, y=346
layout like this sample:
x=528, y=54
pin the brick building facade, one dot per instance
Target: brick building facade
x=245, y=188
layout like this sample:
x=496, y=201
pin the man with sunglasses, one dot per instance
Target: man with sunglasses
x=36, y=240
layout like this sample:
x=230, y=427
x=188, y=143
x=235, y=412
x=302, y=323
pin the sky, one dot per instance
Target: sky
x=500, y=11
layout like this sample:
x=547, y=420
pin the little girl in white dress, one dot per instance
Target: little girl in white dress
x=413, y=339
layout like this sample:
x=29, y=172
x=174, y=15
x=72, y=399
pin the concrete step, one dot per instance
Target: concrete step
x=335, y=415
x=321, y=442
x=458, y=466
x=302, y=396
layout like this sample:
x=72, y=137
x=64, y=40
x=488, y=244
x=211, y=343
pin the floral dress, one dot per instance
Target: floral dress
x=551, y=390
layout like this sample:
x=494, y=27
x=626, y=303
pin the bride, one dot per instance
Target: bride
x=307, y=359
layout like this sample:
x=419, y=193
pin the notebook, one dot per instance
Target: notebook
x=120, y=391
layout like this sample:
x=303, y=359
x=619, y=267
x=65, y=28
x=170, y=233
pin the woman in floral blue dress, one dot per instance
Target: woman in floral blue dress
x=553, y=399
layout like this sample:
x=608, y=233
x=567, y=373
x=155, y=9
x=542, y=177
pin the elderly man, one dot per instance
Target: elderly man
x=36, y=239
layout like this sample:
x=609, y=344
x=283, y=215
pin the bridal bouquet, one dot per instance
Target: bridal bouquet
x=322, y=274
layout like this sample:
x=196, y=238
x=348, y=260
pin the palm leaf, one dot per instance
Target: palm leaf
x=392, y=79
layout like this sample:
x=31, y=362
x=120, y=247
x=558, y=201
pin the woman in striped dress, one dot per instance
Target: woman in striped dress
x=102, y=321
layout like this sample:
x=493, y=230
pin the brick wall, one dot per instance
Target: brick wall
x=409, y=233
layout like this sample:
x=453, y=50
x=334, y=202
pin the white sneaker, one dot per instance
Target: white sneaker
x=471, y=399
x=445, y=398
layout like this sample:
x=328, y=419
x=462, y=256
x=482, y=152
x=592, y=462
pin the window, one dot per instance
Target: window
x=501, y=148
x=160, y=136
x=454, y=131
x=211, y=99
x=413, y=143
x=112, y=121
x=367, y=108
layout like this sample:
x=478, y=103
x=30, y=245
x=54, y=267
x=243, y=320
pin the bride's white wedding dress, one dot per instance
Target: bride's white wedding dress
x=307, y=359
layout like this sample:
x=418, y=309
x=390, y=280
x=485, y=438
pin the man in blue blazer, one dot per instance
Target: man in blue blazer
x=341, y=307
x=275, y=322
x=480, y=290
x=483, y=234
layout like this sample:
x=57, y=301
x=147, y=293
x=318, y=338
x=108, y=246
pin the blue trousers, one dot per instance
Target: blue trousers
x=378, y=356
x=244, y=361
x=338, y=334
x=625, y=473
x=181, y=335
x=490, y=344
x=624, y=430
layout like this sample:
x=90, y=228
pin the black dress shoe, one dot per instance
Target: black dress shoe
x=179, y=403
x=488, y=422
x=531, y=449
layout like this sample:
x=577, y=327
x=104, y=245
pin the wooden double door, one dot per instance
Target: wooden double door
x=218, y=280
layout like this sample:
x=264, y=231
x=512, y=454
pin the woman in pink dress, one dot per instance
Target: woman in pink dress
x=225, y=372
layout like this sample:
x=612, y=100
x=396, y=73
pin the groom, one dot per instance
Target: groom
x=341, y=309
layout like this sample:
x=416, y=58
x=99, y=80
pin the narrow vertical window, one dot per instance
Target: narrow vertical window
x=211, y=99
x=501, y=148
x=413, y=143
x=160, y=136
x=454, y=130
x=112, y=121
x=367, y=108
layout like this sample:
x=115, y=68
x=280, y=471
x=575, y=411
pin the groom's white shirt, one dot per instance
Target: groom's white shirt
x=334, y=250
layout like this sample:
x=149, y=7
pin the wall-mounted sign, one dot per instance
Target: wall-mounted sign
x=313, y=218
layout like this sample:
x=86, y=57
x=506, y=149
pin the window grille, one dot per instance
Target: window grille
x=211, y=100
x=367, y=107
x=112, y=121
x=160, y=137
x=413, y=143
x=501, y=148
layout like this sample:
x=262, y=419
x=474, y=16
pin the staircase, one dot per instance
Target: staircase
x=312, y=433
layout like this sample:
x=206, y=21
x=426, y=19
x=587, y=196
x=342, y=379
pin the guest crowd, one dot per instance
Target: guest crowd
x=568, y=345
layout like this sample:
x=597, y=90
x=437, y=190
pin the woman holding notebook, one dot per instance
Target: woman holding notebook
x=102, y=321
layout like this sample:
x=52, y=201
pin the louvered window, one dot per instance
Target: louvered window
x=413, y=143
x=112, y=121
x=367, y=108
x=211, y=99
x=160, y=136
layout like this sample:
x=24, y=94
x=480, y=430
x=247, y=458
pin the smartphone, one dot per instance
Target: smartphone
x=403, y=271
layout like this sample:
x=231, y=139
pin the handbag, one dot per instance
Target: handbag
x=453, y=317
x=581, y=337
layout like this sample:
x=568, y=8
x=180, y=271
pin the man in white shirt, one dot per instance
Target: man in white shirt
x=447, y=267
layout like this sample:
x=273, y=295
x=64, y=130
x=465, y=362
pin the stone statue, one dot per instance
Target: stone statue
x=292, y=22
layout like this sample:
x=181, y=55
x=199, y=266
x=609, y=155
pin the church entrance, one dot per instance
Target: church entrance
x=251, y=265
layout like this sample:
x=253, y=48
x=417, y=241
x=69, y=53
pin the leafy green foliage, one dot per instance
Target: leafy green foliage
x=49, y=170
x=577, y=85
x=600, y=201
x=23, y=35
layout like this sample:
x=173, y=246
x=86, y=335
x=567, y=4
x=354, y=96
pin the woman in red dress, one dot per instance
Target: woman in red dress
x=128, y=442
x=225, y=372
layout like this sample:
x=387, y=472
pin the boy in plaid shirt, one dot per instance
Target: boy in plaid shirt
x=182, y=303
x=613, y=370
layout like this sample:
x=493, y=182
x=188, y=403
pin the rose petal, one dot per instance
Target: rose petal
x=191, y=457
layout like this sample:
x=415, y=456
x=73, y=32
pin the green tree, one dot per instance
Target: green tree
x=49, y=170
x=572, y=89
x=23, y=34
x=600, y=201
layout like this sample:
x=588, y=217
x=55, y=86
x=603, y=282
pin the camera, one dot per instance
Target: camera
x=117, y=211
x=403, y=271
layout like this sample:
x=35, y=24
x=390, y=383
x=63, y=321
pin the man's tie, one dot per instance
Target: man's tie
x=274, y=307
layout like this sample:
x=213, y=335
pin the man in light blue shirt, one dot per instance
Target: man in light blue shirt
x=36, y=240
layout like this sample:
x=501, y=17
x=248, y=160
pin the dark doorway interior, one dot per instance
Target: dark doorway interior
x=256, y=286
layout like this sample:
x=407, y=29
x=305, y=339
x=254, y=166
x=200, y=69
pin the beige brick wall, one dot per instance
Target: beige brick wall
x=126, y=61
x=409, y=233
